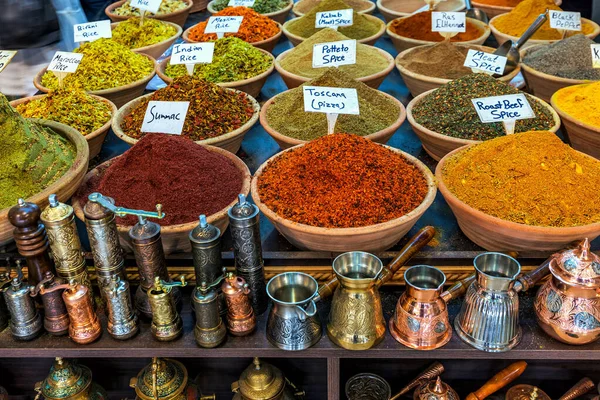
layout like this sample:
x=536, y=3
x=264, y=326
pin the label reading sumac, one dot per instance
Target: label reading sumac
x=165, y=117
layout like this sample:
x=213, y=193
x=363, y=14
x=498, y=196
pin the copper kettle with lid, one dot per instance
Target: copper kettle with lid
x=263, y=381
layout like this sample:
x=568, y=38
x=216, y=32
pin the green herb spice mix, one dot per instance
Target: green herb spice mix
x=130, y=34
x=166, y=7
x=260, y=6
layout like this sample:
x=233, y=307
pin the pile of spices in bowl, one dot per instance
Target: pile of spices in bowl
x=530, y=178
x=286, y=113
x=255, y=27
x=72, y=107
x=186, y=178
x=341, y=181
x=418, y=26
x=361, y=27
x=131, y=35
x=213, y=110
x=32, y=157
x=233, y=60
x=516, y=22
x=369, y=60
x=501, y=3
x=449, y=110
x=569, y=58
x=260, y=6
x=581, y=102
x=106, y=64
x=304, y=6
x=166, y=7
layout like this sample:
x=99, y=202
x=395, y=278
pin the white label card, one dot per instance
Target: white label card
x=566, y=20
x=165, y=117
x=334, y=54
x=5, y=57
x=223, y=24
x=335, y=18
x=242, y=3
x=91, y=31
x=193, y=53
x=448, y=21
x=146, y=5
x=486, y=62
x=64, y=61
x=595, y=55
x=331, y=100
x=509, y=107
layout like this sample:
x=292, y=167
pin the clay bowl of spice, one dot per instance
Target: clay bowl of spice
x=360, y=6
x=278, y=184
x=95, y=138
x=580, y=114
x=552, y=201
x=278, y=16
x=392, y=9
x=199, y=5
x=202, y=180
x=493, y=8
x=267, y=44
x=441, y=62
x=178, y=16
x=155, y=50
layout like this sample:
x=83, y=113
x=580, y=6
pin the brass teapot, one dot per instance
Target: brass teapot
x=263, y=381
x=68, y=380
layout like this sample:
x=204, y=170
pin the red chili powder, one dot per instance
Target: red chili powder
x=186, y=178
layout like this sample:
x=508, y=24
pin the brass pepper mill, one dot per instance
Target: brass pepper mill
x=122, y=319
x=56, y=318
x=31, y=240
x=247, y=248
x=210, y=330
x=25, y=321
x=59, y=220
x=68, y=380
x=241, y=320
x=166, y=321
x=206, y=250
x=263, y=381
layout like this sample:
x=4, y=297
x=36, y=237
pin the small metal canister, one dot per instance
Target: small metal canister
x=247, y=247
x=166, y=321
x=241, y=320
x=59, y=220
x=4, y=315
x=56, y=318
x=210, y=330
x=25, y=321
x=68, y=380
x=122, y=319
x=263, y=381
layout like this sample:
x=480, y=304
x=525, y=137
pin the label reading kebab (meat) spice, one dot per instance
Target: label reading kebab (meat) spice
x=595, y=55
x=486, y=62
x=334, y=19
x=241, y=3
x=332, y=101
x=5, y=57
x=506, y=109
x=91, y=31
x=448, y=21
x=165, y=117
x=334, y=54
x=147, y=5
x=223, y=25
x=565, y=20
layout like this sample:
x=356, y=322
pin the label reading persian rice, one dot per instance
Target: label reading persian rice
x=221, y=25
x=91, y=31
x=165, y=117
x=146, y=5
x=240, y=3
x=193, y=53
x=595, y=55
x=448, y=21
x=64, y=61
x=334, y=19
x=334, y=54
x=486, y=62
x=5, y=57
x=565, y=20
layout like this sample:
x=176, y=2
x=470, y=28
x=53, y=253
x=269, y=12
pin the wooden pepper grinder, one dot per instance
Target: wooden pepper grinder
x=498, y=381
x=31, y=239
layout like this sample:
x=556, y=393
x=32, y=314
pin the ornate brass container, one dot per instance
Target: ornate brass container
x=166, y=322
x=435, y=390
x=56, y=318
x=263, y=381
x=210, y=330
x=122, y=319
x=241, y=320
x=68, y=380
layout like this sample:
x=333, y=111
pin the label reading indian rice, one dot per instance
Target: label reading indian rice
x=566, y=20
x=448, y=21
x=193, y=53
x=165, y=117
x=91, y=31
x=334, y=54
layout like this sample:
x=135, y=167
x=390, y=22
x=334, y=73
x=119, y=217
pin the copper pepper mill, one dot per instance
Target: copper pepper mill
x=241, y=320
x=68, y=380
x=167, y=324
x=210, y=331
x=56, y=318
x=122, y=319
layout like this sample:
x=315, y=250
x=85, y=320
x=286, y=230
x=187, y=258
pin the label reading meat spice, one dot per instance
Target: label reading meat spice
x=5, y=57
x=332, y=101
x=448, y=21
x=65, y=62
x=481, y=61
x=165, y=117
x=91, y=31
x=222, y=25
x=334, y=19
x=565, y=20
x=506, y=109
x=595, y=55
x=240, y=3
x=146, y=5
x=334, y=54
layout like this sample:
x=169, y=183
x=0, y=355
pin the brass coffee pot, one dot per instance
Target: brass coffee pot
x=263, y=381
x=69, y=381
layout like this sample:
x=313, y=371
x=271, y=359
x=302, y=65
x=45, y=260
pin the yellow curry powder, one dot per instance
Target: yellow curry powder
x=581, y=102
x=516, y=22
x=530, y=178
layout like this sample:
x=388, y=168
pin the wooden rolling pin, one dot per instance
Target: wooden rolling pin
x=498, y=381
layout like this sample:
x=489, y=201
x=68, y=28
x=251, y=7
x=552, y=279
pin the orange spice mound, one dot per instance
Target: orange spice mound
x=418, y=27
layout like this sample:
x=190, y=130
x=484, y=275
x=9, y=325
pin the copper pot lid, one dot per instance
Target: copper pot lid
x=435, y=390
x=261, y=381
x=66, y=379
x=577, y=266
x=169, y=378
x=526, y=392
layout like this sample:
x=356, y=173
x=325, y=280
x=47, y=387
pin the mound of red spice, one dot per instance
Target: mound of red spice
x=186, y=178
x=341, y=181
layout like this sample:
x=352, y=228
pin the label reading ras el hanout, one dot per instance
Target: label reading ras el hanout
x=335, y=18
x=509, y=107
x=330, y=100
x=448, y=21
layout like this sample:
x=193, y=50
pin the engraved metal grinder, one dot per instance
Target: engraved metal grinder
x=241, y=320
x=247, y=248
x=4, y=315
x=59, y=220
x=210, y=331
x=166, y=321
x=122, y=319
x=206, y=251
x=56, y=318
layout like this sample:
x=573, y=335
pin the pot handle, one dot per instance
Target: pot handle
x=578, y=390
x=310, y=310
x=498, y=381
x=458, y=289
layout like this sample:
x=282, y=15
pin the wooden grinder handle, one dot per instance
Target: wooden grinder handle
x=498, y=381
x=580, y=388
x=458, y=289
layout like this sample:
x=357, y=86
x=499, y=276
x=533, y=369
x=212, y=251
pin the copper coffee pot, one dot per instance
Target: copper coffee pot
x=263, y=381
x=68, y=380
x=241, y=320
x=56, y=318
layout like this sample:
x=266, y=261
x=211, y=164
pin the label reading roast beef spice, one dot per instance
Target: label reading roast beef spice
x=506, y=109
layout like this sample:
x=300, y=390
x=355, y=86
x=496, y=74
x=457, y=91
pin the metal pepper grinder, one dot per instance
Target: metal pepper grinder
x=25, y=321
x=31, y=240
x=150, y=259
x=210, y=331
x=122, y=319
x=59, y=220
x=56, y=318
x=247, y=248
x=206, y=250
x=166, y=321
x=241, y=320
x=4, y=315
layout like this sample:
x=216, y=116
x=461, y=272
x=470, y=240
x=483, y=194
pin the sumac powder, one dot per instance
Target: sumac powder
x=186, y=178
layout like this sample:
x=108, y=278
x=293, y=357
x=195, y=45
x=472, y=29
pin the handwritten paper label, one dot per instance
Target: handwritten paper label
x=566, y=20
x=334, y=54
x=334, y=19
x=221, y=25
x=91, y=31
x=330, y=100
x=506, y=109
x=5, y=57
x=240, y=3
x=486, y=62
x=64, y=61
x=165, y=117
x=193, y=53
x=595, y=55
x=448, y=21
x=146, y=5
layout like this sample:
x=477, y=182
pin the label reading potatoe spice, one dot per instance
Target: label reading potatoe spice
x=5, y=57
x=334, y=19
x=65, y=62
x=506, y=109
x=565, y=20
x=332, y=101
x=91, y=31
x=448, y=21
x=240, y=3
x=222, y=25
x=334, y=54
x=486, y=62
x=165, y=117
x=595, y=55
x=146, y=5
